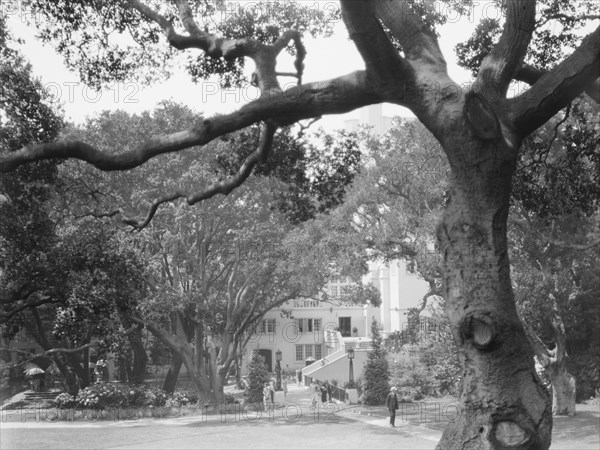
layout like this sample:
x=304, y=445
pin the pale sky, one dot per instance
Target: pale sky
x=327, y=58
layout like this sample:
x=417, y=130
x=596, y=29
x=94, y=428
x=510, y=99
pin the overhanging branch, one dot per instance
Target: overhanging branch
x=555, y=89
x=530, y=74
x=336, y=96
x=221, y=187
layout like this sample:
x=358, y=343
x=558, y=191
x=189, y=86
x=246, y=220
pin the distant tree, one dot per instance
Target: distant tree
x=376, y=375
x=409, y=334
x=257, y=377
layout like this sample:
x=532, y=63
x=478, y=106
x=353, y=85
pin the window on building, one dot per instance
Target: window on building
x=345, y=326
x=306, y=304
x=336, y=287
x=308, y=325
x=425, y=325
x=308, y=350
x=268, y=326
x=299, y=352
x=318, y=351
x=317, y=324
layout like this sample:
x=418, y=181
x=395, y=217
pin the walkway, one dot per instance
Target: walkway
x=293, y=425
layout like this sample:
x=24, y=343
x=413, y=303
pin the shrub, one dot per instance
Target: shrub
x=409, y=372
x=181, y=398
x=110, y=395
x=229, y=398
x=64, y=401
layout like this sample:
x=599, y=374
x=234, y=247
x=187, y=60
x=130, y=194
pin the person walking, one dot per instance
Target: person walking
x=323, y=389
x=272, y=391
x=392, y=405
x=316, y=394
x=267, y=396
x=284, y=387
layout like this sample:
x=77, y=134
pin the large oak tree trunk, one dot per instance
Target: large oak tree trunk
x=504, y=403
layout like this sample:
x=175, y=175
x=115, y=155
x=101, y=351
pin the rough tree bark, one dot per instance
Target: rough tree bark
x=170, y=382
x=504, y=404
x=138, y=369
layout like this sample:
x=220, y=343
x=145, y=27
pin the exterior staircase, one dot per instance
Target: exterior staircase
x=41, y=396
x=335, y=365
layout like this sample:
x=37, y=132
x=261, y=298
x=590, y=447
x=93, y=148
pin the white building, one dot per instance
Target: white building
x=310, y=331
x=371, y=115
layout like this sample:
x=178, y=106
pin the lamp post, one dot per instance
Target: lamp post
x=351, y=373
x=278, y=369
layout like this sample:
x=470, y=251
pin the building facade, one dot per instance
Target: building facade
x=308, y=331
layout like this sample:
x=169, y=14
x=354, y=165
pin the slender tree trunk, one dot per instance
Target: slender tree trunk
x=503, y=401
x=70, y=378
x=140, y=358
x=170, y=382
x=85, y=372
x=563, y=389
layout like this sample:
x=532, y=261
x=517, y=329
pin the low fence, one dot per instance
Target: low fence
x=338, y=393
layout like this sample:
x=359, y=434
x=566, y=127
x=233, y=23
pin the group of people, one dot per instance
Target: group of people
x=269, y=393
x=320, y=393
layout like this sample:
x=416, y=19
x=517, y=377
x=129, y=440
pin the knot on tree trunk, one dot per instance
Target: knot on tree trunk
x=481, y=330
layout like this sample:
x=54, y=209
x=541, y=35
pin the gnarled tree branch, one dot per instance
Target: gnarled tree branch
x=32, y=300
x=418, y=42
x=498, y=68
x=383, y=62
x=335, y=96
x=555, y=89
x=530, y=74
x=221, y=187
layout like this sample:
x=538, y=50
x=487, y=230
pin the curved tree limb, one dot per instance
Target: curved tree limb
x=555, y=89
x=32, y=300
x=335, y=96
x=216, y=47
x=383, y=62
x=530, y=74
x=221, y=187
x=418, y=42
x=499, y=67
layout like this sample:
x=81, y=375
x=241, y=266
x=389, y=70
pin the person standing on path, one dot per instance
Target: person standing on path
x=323, y=389
x=392, y=405
x=284, y=387
x=267, y=396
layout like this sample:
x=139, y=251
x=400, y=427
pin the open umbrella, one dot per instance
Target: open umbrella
x=33, y=371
